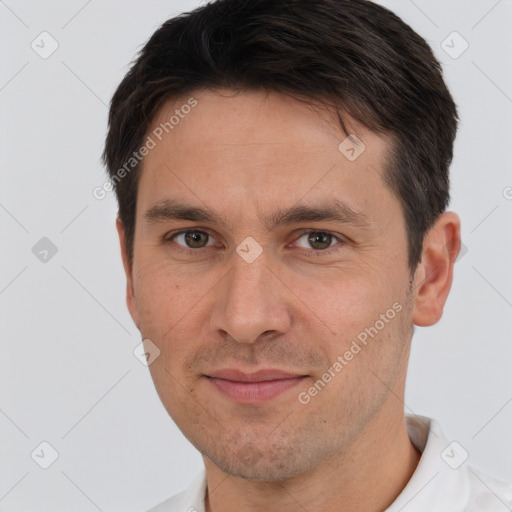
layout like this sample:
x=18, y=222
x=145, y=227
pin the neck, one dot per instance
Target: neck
x=366, y=476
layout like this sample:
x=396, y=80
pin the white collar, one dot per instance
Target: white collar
x=434, y=485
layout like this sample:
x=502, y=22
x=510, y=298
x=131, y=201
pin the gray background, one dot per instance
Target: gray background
x=68, y=373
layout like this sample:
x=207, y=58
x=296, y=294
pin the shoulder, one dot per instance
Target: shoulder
x=443, y=480
x=190, y=500
x=487, y=493
x=170, y=505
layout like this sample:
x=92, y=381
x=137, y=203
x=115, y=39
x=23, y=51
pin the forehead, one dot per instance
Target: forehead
x=228, y=117
x=225, y=146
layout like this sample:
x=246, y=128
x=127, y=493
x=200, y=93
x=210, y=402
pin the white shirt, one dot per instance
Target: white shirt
x=442, y=481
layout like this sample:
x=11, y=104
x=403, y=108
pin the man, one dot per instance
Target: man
x=281, y=169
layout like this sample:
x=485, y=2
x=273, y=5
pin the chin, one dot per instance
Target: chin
x=252, y=463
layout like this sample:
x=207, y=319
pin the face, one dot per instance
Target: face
x=263, y=248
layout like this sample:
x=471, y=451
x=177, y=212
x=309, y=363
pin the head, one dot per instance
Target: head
x=281, y=170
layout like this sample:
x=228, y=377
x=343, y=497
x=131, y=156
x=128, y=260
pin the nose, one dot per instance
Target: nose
x=250, y=301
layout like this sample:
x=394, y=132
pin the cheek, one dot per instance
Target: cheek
x=348, y=304
x=363, y=366
x=174, y=393
x=163, y=296
x=369, y=323
x=172, y=314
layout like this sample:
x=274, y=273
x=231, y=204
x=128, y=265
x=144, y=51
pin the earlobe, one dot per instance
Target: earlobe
x=434, y=275
x=128, y=269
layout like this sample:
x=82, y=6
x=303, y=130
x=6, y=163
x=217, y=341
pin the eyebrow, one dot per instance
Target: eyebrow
x=339, y=211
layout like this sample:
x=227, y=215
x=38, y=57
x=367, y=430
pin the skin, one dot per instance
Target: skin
x=245, y=156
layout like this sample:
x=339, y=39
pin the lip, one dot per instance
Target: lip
x=259, y=376
x=257, y=387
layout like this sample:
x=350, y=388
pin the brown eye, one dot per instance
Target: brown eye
x=320, y=240
x=316, y=240
x=192, y=239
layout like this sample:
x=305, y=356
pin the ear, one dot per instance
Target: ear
x=434, y=275
x=128, y=269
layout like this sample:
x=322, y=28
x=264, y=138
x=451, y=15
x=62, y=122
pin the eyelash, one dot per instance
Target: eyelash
x=306, y=252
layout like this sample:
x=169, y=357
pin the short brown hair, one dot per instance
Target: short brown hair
x=354, y=54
